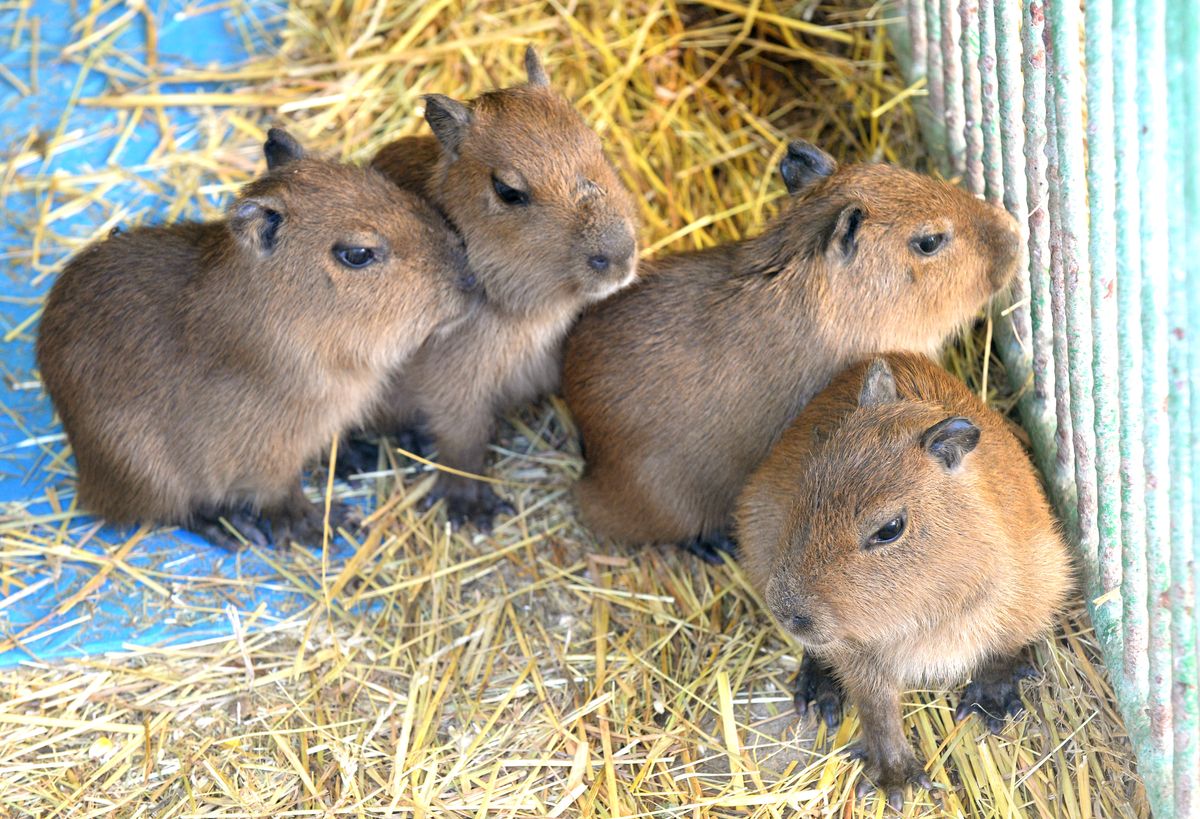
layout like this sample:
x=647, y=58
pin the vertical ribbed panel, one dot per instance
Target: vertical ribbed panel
x=934, y=74
x=1102, y=251
x=1058, y=307
x=1099, y=337
x=1068, y=222
x=1055, y=457
x=1152, y=173
x=968, y=17
x=1127, y=218
x=1181, y=107
x=1014, y=334
x=989, y=97
x=953, y=112
x=1187, y=764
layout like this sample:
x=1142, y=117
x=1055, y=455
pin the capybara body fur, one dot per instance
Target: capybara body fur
x=899, y=531
x=681, y=383
x=548, y=227
x=197, y=367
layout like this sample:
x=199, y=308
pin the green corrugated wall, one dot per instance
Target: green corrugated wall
x=1086, y=125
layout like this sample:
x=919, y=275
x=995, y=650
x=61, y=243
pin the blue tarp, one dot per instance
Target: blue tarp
x=171, y=586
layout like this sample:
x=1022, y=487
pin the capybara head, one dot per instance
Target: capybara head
x=889, y=530
x=339, y=243
x=524, y=179
x=900, y=259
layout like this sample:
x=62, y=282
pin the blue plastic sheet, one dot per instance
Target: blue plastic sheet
x=170, y=586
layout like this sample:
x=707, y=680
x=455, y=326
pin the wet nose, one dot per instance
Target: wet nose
x=613, y=254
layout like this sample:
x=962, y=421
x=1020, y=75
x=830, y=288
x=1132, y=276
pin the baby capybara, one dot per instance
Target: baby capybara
x=900, y=533
x=681, y=383
x=197, y=367
x=549, y=228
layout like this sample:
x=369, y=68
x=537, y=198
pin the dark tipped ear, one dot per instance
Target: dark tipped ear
x=281, y=148
x=255, y=223
x=534, y=69
x=804, y=164
x=449, y=120
x=843, y=236
x=879, y=387
x=950, y=440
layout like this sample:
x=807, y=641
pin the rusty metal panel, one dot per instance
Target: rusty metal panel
x=1098, y=337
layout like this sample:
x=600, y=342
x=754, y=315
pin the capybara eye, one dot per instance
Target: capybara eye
x=929, y=244
x=508, y=194
x=354, y=257
x=888, y=532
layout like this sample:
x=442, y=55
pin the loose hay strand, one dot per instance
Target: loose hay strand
x=534, y=672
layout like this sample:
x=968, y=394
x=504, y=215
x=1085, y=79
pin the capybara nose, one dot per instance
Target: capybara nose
x=1008, y=240
x=1004, y=242
x=615, y=251
x=801, y=623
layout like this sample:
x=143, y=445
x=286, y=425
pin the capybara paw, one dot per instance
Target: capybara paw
x=254, y=529
x=995, y=695
x=477, y=505
x=890, y=778
x=305, y=524
x=816, y=686
x=416, y=440
x=302, y=529
x=356, y=456
x=344, y=516
x=711, y=548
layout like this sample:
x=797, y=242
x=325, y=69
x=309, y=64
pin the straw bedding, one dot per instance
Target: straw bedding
x=534, y=672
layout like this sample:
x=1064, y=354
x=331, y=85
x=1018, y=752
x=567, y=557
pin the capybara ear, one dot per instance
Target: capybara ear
x=255, y=223
x=950, y=440
x=534, y=69
x=281, y=148
x=449, y=119
x=803, y=164
x=879, y=386
x=842, y=236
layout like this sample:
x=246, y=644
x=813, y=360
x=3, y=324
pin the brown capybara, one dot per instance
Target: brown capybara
x=548, y=228
x=899, y=532
x=197, y=367
x=681, y=383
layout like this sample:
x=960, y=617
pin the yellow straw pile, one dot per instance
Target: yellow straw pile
x=535, y=672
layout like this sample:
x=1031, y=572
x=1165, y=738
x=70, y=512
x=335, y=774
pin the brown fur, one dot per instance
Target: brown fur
x=532, y=260
x=681, y=383
x=977, y=574
x=196, y=367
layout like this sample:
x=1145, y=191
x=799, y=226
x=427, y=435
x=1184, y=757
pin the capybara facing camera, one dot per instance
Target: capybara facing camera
x=899, y=532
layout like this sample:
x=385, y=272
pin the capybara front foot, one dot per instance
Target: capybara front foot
x=711, y=548
x=303, y=522
x=416, y=440
x=214, y=526
x=355, y=456
x=995, y=693
x=891, y=776
x=468, y=501
x=816, y=686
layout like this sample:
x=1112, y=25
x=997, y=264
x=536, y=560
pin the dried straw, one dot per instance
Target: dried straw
x=535, y=672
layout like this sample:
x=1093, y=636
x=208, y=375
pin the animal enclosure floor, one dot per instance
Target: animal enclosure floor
x=415, y=671
x=76, y=168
